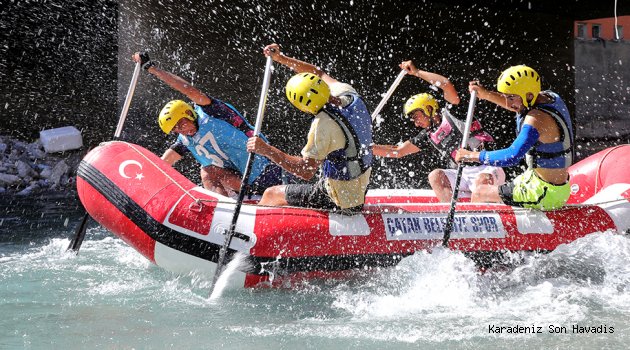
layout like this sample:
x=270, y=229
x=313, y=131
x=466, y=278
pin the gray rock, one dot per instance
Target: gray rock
x=60, y=169
x=2, y=189
x=14, y=155
x=3, y=147
x=29, y=190
x=45, y=172
x=10, y=169
x=24, y=169
x=19, y=146
x=35, y=150
x=9, y=179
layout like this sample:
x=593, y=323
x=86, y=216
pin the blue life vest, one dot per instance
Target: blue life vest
x=350, y=162
x=221, y=144
x=555, y=155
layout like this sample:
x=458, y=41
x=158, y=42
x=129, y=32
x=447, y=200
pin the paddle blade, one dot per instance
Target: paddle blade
x=79, y=234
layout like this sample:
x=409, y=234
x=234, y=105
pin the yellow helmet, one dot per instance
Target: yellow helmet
x=308, y=92
x=520, y=80
x=421, y=101
x=173, y=112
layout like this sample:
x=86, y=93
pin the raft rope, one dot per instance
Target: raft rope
x=515, y=210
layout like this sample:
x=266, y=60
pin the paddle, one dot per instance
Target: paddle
x=248, y=169
x=79, y=234
x=460, y=168
x=388, y=94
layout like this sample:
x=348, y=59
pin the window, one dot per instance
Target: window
x=581, y=30
x=619, y=33
x=596, y=31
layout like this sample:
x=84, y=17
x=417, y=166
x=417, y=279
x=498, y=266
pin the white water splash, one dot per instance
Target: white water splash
x=237, y=263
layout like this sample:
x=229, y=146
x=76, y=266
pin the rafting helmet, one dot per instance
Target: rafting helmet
x=421, y=101
x=173, y=112
x=307, y=92
x=520, y=80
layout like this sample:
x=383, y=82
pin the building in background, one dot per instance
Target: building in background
x=602, y=28
x=602, y=81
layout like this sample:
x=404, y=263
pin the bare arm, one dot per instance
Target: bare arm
x=304, y=168
x=395, y=151
x=171, y=157
x=450, y=93
x=545, y=124
x=182, y=86
x=177, y=83
x=296, y=65
x=497, y=98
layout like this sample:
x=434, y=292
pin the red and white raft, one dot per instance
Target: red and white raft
x=180, y=226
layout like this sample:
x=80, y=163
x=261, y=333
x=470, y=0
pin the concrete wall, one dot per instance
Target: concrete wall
x=602, y=91
x=58, y=67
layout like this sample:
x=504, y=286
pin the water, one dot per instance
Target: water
x=111, y=297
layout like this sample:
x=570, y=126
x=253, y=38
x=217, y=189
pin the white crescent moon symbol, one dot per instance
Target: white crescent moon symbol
x=121, y=168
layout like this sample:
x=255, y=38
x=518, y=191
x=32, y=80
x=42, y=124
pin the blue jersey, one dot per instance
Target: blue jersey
x=221, y=144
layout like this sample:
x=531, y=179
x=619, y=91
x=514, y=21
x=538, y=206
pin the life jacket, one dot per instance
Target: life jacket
x=447, y=137
x=356, y=157
x=555, y=155
x=220, y=144
x=224, y=111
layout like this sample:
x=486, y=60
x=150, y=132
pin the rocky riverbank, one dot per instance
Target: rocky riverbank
x=26, y=169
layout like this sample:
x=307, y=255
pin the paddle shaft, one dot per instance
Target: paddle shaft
x=388, y=94
x=448, y=228
x=248, y=169
x=132, y=89
x=79, y=235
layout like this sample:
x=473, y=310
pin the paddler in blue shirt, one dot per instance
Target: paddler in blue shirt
x=214, y=132
x=544, y=135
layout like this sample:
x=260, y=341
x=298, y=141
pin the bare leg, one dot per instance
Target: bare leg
x=440, y=185
x=275, y=196
x=486, y=194
x=484, y=179
x=220, y=180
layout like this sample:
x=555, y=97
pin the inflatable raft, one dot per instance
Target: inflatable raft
x=180, y=226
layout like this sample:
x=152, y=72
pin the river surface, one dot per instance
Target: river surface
x=109, y=296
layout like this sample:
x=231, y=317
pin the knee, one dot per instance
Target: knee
x=484, y=179
x=486, y=193
x=273, y=196
x=437, y=176
x=207, y=175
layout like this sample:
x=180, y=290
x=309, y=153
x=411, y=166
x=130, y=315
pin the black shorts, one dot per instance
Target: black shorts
x=270, y=176
x=315, y=196
x=506, y=193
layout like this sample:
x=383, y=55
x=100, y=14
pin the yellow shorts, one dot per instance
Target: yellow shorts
x=529, y=191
